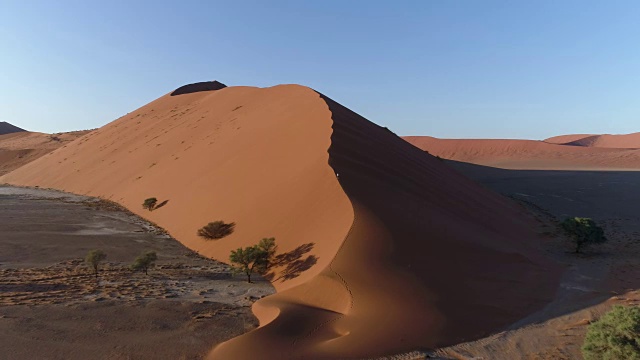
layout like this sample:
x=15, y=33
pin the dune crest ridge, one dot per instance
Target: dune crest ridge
x=388, y=250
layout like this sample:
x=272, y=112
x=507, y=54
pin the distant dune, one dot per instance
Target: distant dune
x=564, y=139
x=534, y=155
x=6, y=128
x=20, y=148
x=386, y=249
x=627, y=141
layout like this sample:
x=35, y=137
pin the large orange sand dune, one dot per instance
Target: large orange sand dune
x=389, y=249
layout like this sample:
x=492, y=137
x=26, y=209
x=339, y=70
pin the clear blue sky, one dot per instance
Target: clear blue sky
x=501, y=69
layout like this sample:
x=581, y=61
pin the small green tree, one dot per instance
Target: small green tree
x=614, y=336
x=583, y=231
x=94, y=258
x=269, y=247
x=254, y=258
x=216, y=230
x=144, y=262
x=150, y=203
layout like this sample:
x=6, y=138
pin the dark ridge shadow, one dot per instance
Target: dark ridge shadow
x=611, y=198
x=585, y=141
x=161, y=205
x=6, y=128
x=294, y=263
x=198, y=87
x=388, y=176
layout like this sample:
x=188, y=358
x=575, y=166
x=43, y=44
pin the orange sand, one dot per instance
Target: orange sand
x=627, y=141
x=393, y=251
x=529, y=154
x=19, y=148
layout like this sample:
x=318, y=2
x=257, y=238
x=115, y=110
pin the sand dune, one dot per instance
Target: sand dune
x=389, y=249
x=6, y=128
x=251, y=156
x=627, y=141
x=19, y=148
x=530, y=154
x=564, y=139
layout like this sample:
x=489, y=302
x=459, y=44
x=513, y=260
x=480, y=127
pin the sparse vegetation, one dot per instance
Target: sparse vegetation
x=268, y=245
x=614, y=336
x=150, y=203
x=583, y=231
x=253, y=259
x=216, y=230
x=94, y=258
x=144, y=262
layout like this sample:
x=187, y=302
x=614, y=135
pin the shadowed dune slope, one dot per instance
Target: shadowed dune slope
x=386, y=249
x=431, y=259
x=627, y=141
x=20, y=148
x=529, y=154
x=6, y=128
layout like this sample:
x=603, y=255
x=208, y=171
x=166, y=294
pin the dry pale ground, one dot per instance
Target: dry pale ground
x=593, y=282
x=52, y=307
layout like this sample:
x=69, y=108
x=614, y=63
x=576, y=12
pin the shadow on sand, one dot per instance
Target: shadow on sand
x=161, y=205
x=294, y=262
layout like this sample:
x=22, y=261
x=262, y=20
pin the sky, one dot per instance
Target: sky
x=451, y=69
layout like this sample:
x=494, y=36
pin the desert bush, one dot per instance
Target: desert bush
x=94, y=258
x=253, y=259
x=614, y=336
x=144, y=262
x=216, y=230
x=150, y=203
x=583, y=231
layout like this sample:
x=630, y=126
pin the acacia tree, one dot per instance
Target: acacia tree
x=254, y=258
x=94, y=258
x=616, y=335
x=216, y=230
x=583, y=231
x=150, y=203
x=267, y=245
x=144, y=262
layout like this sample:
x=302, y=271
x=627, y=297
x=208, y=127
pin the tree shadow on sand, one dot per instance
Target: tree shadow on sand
x=161, y=205
x=293, y=263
